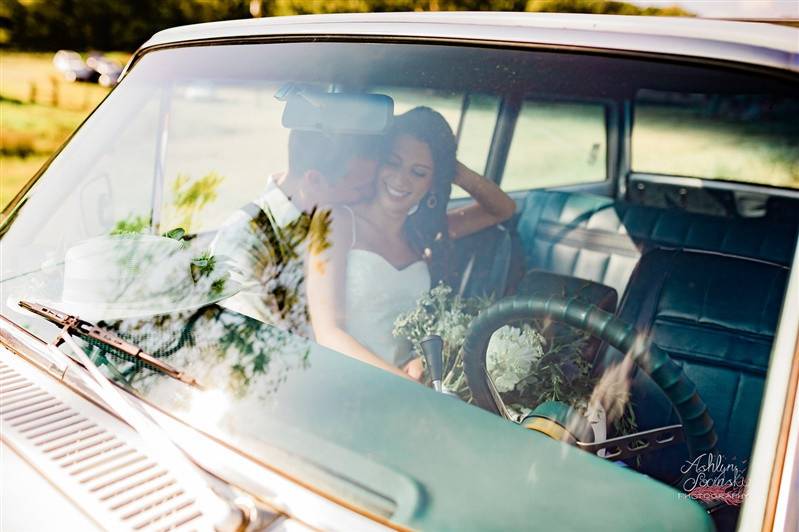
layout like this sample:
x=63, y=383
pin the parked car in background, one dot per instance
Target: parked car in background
x=72, y=67
x=652, y=262
x=107, y=69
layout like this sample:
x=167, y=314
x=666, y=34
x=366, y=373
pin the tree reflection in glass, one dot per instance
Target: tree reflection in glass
x=233, y=356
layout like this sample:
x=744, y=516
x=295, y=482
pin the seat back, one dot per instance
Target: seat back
x=716, y=316
x=486, y=264
x=599, y=239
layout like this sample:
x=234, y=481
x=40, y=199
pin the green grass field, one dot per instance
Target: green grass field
x=38, y=111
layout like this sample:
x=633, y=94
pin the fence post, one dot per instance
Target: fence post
x=32, y=92
x=54, y=95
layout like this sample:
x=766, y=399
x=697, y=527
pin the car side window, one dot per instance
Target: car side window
x=477, y=123
x=557, y=144
x=747, y=138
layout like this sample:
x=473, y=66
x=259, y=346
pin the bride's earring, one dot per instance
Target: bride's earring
x=432, y=200
x=413, y=210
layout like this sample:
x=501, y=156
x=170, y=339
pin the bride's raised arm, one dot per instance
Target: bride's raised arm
x=493, y=204
x=325, y=286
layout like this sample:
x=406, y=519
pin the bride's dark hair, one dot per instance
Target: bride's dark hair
x=426, y=229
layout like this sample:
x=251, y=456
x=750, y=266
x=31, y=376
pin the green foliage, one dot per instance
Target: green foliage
x=258, y=353
x=605, y=7
x=304, y=7
x=132, y=225
x=176, y=234
x=105, y=24
x=202, y=265
x=189, y=197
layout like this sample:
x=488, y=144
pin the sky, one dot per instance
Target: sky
x=733, y=8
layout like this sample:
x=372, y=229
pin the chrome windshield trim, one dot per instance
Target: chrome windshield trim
x=775, y=395
x=786, y=516
x=742, y=42
x=30, y=347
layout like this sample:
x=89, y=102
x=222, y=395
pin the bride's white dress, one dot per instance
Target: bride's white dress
x=376, y=294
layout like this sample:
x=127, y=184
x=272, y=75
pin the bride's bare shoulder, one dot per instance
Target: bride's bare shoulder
x=339, y=222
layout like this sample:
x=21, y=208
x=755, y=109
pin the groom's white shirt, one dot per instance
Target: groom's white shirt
x=263, y=282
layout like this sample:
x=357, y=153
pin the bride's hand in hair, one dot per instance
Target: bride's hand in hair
x=492, y=205
x=414, y=369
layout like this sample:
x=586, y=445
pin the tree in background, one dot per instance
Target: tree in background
x=104, y=24
x=305, y=7
x=302, y=7
x=124, y=25
x=602, y=7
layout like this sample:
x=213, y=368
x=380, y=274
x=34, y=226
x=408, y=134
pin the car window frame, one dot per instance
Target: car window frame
x=610, y=107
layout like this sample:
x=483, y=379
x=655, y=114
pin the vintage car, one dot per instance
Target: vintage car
x=72, y=67
x=107, y=69
x=621, y=354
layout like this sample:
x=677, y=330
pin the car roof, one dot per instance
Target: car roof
x=745, y=42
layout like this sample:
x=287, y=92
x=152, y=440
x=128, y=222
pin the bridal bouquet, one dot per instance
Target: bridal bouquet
x=526, y=368
x=439, y=312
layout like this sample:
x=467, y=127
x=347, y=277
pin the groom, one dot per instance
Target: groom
x=265, y=241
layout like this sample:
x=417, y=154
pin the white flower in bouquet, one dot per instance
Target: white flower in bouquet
x=511, y=353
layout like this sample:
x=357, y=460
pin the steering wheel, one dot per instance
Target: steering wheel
x=697, y=425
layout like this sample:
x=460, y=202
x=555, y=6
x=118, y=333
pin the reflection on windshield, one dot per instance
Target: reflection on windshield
x=126, y=275
x=235, y=354
x=189, y=197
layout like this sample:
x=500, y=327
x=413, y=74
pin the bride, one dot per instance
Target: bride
x=386, y=252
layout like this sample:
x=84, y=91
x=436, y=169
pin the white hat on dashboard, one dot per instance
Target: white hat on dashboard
x=128, y=276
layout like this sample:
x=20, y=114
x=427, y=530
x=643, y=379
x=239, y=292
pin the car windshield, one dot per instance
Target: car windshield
x=401, y=271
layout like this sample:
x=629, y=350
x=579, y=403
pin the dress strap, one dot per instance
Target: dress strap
x=354, y=235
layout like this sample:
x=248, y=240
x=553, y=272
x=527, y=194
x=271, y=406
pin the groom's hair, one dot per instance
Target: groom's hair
x=330, y=154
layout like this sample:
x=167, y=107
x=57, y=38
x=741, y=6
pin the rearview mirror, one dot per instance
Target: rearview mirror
x=336, y=112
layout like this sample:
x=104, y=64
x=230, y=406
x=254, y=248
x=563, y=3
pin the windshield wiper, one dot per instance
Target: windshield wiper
x=76, y=325
x=222, y=513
